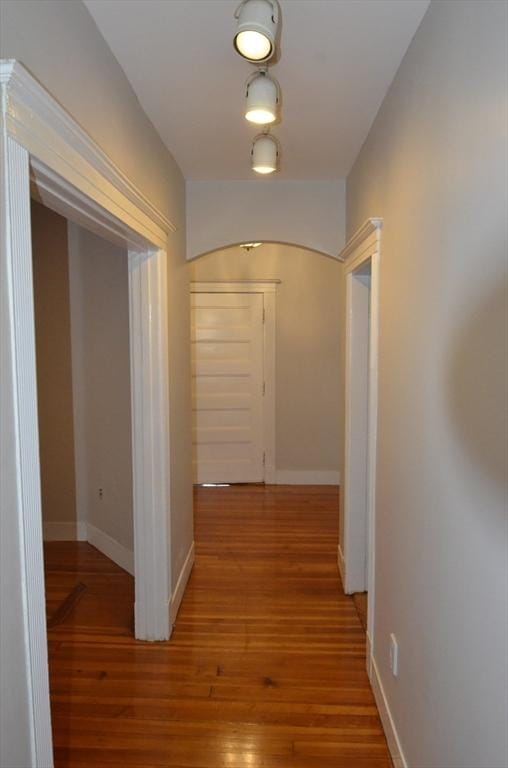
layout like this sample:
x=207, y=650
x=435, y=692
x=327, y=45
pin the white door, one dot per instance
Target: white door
x=227, y=368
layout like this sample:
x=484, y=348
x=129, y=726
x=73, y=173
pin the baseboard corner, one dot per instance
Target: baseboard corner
x=110, y=547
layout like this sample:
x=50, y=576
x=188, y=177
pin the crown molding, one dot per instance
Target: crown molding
x=361, y=234
x=33, y=117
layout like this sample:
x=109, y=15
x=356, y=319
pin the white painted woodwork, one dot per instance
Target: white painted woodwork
x=227, y=381
x=362, y=256
x=356, y=519
x=78, y=179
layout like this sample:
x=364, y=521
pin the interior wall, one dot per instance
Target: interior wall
x=308, y=318
x=99, y=291
x=61, y=46
x=434, y=168
x=310, y=213
x=54, y=366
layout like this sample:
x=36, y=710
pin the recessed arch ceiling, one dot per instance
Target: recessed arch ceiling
x=338, y=58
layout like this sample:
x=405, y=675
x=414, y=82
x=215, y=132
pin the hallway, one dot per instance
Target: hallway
x=266, y=665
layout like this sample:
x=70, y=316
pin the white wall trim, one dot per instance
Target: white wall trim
x=268, y=288
x=365, y=245
x=54, y=531
x=392, y=737
x=111, y=548
x=357, y=240
x=181, y=583
x=90, y=189
x=148, y=318
x=307, y=477
x=35, y=119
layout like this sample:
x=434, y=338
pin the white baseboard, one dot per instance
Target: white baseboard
x=306, y=477
x=342, y=566
x=392, y=737
x=64, y=531
x=111, y=548
x=369, y=655
x=179, y=589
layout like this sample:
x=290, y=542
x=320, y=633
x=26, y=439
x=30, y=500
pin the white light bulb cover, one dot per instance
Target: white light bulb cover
x=264, y=154
x=257, y=29
x=262, y=99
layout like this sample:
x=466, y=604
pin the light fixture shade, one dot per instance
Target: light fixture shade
x=264, y=154
x=262, y=99
x=257, y=29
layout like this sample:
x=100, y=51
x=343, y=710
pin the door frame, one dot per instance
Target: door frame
x=43, y=148
x=364, y=246
x=268, y=288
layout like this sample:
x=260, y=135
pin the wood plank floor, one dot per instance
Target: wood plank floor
x=266, y=666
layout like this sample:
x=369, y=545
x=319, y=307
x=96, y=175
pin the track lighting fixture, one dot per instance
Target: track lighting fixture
x=264, y=153
x=257, y=29
x=262, y=98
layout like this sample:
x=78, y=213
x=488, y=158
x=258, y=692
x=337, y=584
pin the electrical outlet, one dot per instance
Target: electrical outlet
x=101, y=494
x=394, y=655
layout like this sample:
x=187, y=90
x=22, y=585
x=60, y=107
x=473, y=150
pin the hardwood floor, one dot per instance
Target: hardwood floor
x=266, y=666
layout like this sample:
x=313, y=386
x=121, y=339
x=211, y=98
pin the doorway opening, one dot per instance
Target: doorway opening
x=266, y=364
x=233, y=381
x=356, y=553
x=81, y=303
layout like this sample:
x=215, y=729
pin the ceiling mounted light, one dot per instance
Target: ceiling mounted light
x=257, y=29
x=264, y=154
x=249, y=246
x=262, y=98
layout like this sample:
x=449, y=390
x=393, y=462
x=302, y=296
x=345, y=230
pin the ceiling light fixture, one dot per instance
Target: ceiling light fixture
x=249, y=246
x=262, y=98
x=264, y=153
x=257, y=29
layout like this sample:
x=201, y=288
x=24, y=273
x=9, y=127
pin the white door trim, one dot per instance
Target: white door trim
x=363, y=246
x=72, y=175
x=268, y=288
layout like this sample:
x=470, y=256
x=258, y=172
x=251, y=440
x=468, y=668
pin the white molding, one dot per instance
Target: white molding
x=19, y=337
x=38, y=122
x=268, y=288
x=359, y=237
x=235, y=286
x=181, y=583
x=392, y=737
x=150, y=442
x=111, y=548
x=54, y=531
x=72, y=169
x=307, y=477
x=363, y=246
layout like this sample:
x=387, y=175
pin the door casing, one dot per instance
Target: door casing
x=44, y=148
x=363, y=247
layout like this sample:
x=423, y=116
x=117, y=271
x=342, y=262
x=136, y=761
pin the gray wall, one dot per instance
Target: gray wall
x=54, y=366
x=61, y=46
x=435, y=168
x=99, y=302
x=308, y=318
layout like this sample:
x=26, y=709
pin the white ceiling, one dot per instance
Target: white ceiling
x=338, y=58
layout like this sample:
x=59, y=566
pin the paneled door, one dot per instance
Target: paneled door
x=227, y=381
